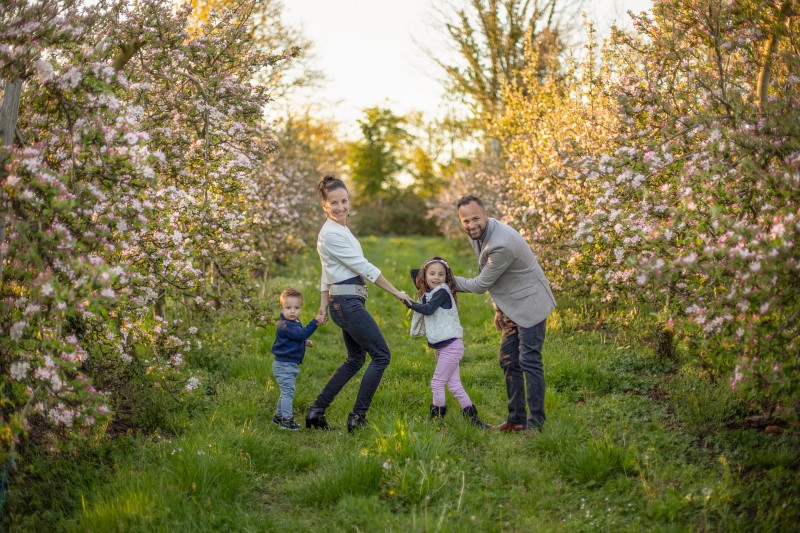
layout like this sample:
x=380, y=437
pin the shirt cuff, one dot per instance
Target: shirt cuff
x=372, y=274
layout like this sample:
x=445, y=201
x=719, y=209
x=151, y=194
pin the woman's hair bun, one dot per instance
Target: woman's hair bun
x=329, y=183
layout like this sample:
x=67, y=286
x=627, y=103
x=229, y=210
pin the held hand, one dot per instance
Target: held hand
x=498, y=320
x=405, y=298
x=309, y=343
x=322, y=316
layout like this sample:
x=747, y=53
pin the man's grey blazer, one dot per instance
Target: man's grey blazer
x=511, y=274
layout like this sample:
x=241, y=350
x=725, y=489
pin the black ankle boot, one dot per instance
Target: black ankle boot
x=471, y=412
x=355, y=421
x=315, y=418
x=438, y=412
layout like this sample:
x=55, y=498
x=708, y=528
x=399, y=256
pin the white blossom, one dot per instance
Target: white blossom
x=19, y=370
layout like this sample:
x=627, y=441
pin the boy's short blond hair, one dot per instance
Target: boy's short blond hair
x=290, y=292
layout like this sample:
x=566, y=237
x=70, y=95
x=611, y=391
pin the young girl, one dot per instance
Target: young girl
x=436, y=317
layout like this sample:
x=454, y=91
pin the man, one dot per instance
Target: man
x=522, y=299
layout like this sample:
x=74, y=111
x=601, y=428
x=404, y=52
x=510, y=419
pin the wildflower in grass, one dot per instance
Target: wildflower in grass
x=192, y=384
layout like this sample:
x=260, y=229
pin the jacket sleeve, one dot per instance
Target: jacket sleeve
x=296, y=332
x=498, y=261
x=338, y=247
x=439, y=299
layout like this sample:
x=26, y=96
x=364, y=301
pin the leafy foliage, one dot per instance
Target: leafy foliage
x=376, y=161
x=135, y=181
x=666, y=174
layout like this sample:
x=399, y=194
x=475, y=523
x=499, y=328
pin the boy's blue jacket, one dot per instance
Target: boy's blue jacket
x=290, y=340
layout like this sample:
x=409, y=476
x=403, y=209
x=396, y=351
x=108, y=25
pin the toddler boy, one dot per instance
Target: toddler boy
x=289, y=348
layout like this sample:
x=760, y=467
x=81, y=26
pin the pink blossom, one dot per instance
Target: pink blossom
x=108, y=292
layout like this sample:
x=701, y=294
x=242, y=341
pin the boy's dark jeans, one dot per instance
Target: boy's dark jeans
x=361, y=336
x=521, y=360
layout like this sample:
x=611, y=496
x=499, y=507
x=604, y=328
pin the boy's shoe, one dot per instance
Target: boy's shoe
x=355, y=421
x=289, y=423
x=277, y=419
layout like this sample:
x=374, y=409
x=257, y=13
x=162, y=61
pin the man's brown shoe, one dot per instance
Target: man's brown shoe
x=508, y=427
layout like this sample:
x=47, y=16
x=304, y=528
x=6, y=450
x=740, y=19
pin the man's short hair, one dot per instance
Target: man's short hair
x=468, y=199
x=290, y=292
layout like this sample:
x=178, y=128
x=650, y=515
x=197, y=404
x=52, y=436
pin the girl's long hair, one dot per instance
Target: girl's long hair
x=448, y=277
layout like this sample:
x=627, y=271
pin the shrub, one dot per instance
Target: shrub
x=702, y=406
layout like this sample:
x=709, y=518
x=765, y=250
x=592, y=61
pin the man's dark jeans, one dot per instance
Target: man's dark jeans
x=361, y=336
x=521, y=361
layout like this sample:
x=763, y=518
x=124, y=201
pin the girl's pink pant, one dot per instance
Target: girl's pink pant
x=448, y=373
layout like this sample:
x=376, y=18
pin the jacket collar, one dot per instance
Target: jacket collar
x=487, y=233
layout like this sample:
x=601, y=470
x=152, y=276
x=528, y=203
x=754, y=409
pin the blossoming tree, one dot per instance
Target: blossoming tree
x=134, y=175
x=691, y=200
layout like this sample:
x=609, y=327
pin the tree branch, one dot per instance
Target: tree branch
x=126, y=52
x=765, y=75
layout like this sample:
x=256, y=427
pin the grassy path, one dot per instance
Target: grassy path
x=613, y=456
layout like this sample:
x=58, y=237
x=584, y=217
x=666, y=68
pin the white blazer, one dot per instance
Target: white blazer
x=341, y=256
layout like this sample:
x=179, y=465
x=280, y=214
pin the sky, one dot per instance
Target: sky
x=370, y=52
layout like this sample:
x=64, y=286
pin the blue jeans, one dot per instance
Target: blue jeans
x=521, y=360
x=361, y=336
x=285, y=374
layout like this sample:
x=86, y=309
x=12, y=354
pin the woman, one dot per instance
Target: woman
x=344, y=294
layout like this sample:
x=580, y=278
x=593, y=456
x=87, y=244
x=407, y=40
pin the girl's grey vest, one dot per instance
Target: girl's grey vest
x=441, y=325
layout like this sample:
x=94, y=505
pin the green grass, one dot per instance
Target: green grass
x=627, y=446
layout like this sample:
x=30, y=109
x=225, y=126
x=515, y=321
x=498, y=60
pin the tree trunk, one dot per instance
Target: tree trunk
x=160, y=306
x=8, y=116
x=264, y=279
x=214, y=277
x=8, y=127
